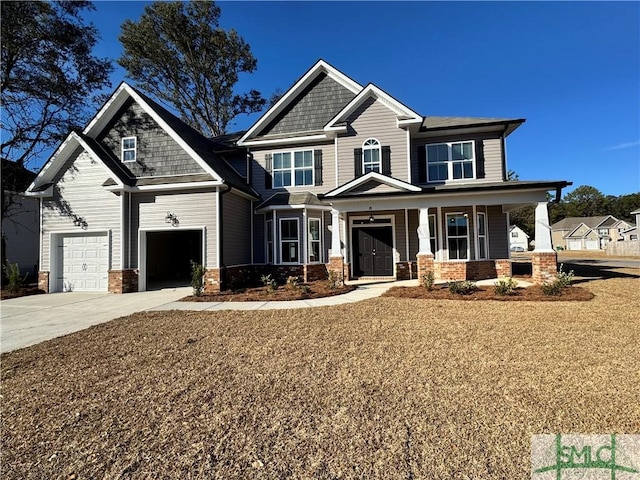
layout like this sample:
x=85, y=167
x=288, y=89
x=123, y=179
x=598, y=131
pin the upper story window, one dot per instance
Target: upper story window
x=293, y=168
x=129, y=149
x=450, y=161
x=371, y=156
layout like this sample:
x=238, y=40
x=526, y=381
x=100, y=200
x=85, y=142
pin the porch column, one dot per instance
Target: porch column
x=425, y=255
x=544, y=262
x=336, y=262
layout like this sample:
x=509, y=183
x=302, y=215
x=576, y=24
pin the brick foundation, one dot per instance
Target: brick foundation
x=544, y=266
x=503, y=268
x=473, y=270
x=315, y=272
x=212, y=280
x=424, y=264
x=43, y=281
x=403, y=271
x=123, y=281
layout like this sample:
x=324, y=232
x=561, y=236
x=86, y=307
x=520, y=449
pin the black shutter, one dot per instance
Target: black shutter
x=317, y=167
x=268, y=169
x=479, y=159
x=386, y=160
x=422, y=164
x=357, y=162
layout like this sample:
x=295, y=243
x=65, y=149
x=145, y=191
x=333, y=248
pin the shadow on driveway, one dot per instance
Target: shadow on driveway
x=584, y=270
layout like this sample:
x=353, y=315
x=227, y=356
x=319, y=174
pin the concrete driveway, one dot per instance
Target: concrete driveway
x=29, y=320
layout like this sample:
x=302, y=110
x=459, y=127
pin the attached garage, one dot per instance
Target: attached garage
x=166, y=257
x=592, y=245
x=80, y=262
x=574, y=245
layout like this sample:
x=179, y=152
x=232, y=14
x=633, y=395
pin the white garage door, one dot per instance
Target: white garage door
x=592, y=244
x=575, y=245
x=85, y=262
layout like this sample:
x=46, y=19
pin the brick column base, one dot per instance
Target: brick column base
x=212, y=280
x=544, y=266
x=403, y=271
x=425, y=264
x=43, y=281
x=503, y=268
x=336, y=264
x=123, y=281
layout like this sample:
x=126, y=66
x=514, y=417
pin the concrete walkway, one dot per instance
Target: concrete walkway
x=365, y=290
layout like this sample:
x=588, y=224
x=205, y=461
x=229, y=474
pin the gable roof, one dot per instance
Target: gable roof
x=571, y=223
x=405, y=116
x=513, y=227
x=433, y=123
x=286, y=200
x=15, y=178
x=205, y=151
x=321, y=67
x=375, y=177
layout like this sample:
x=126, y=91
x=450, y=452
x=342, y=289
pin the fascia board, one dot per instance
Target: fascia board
x=320, y=67
x=282, y=141
x=391, y=182
x=164, y=187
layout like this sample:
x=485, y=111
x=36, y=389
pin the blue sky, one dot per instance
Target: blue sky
x=572, y=69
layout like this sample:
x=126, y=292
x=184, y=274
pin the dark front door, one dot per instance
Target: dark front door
x=372, y=251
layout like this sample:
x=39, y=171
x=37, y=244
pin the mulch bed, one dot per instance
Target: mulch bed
x=533, y=294
x=318, y=289
x=22, y=292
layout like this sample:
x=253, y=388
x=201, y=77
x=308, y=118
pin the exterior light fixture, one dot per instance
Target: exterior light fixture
x=172, y=219
x=371, y=219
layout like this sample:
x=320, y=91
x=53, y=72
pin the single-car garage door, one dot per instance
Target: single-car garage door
x=574, y=245
x=84, y=263
x=592, y=244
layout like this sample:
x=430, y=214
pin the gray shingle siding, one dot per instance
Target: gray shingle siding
x=157, y=153
x=312, y=109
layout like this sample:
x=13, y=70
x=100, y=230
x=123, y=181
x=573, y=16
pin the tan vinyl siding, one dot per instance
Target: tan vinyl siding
x=157, y=154
x=372, y=120
x=236, y=228
x=328, y=169
x=78, y=191
x=374, y=187
x=492, y=147
x=498, y=232
x=194, y=210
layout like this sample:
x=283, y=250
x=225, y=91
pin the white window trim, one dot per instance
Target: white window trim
x=450, y=161
x=135, y=149
x=378, y=147
x=269, y=225
x=310, y=240
x=293, y=169
x=486, y=244
x=280, y=241
x=451, y=214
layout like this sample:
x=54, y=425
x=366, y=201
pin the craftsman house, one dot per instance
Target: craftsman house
x=335, y=176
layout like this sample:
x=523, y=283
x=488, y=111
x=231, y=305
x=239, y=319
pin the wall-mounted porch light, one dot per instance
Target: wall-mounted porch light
x=172, y=219
x=371, y=219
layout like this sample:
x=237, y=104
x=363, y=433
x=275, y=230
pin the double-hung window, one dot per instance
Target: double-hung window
x=482, y=236
x=457, y=236
x=289, y=241
x=450, y=161
x=129, y=149
x=314, y=240
x=293, y=168
x=371, y=156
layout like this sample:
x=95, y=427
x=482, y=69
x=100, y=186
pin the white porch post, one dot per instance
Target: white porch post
x=543, y=229
x=424, y=245
x=335, y=233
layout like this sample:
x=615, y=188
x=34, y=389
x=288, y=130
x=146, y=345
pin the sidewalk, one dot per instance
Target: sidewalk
x=365, y=290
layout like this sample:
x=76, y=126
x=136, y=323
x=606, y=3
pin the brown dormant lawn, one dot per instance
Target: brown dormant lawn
x=386, y=389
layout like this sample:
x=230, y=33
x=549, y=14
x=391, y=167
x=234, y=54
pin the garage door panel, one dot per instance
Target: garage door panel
x=84, y=262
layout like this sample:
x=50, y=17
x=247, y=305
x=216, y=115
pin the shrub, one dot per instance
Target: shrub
x=506, y=286
x=269, y=282
x=334, y=280
x=293, y=283
x=428, y=280
x=462, y=287
x=563, y=280
x=14, y=281
x=197, y=278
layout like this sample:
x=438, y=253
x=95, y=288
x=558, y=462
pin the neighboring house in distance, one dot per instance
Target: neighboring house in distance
x=335, y=176
x=587, y=233
x=20, y=225
x=518, y=239
x=631, y=232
